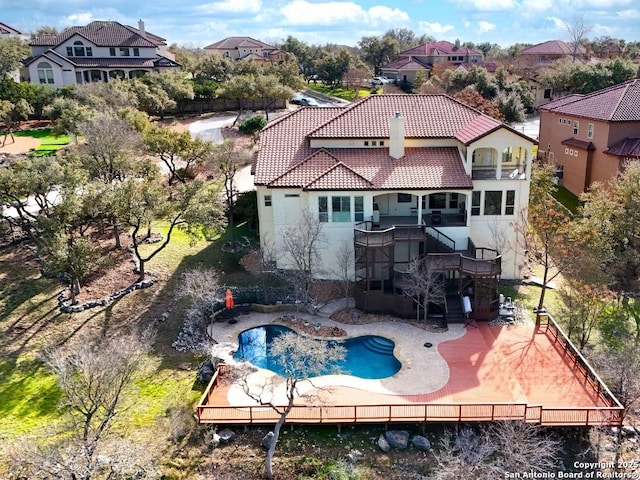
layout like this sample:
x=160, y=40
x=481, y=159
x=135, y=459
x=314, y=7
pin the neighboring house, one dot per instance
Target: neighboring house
x=542, y=55
x=9, y=32
x=246, y=48
x=590, y=137
x=399, y=176
x=97, y=52
x=424, y=56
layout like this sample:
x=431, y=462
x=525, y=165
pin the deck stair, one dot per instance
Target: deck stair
x=454, y=309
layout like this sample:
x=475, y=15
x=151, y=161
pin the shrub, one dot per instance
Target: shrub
x=253, y=124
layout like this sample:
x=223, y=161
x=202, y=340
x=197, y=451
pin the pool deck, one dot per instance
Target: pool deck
x=523, y=367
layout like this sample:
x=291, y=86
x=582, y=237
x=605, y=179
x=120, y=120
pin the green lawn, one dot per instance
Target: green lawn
x=339, y=91
x=568, y=199
x=49, y=143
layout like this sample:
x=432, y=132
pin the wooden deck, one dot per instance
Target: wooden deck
x=496, y=373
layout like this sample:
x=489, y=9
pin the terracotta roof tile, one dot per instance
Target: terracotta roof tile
x=619, y=103
x=232, y=43
x=426, y=116
x=574, y=142
x=339, y=177
x=408, y=63
x=7, y=30
x=552, y=47
x=438, y=48
x=103, y=34
x=629, y=147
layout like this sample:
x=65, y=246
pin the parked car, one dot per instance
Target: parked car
x=380, y=80
x=304, y=101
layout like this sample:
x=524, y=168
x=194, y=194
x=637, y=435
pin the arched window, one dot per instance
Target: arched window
x=45, y=73
x=79, y=50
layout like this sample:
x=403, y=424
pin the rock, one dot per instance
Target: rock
x=205, y=373
x=421, y=443
x=353, y=456
x=226, y=435
x=215, y=440
x=383, y=444
x=397, y=438
x=267, y=440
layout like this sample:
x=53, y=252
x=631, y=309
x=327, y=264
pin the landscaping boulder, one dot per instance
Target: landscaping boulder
x=267, y=440
x=421, y=443
x=398, y=438
x=206, y=371
x=353, y=456
x=383, y=444
x=226, y=435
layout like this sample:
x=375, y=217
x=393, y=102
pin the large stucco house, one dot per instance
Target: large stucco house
x=97, y=52
x=246, y=48
x=590, y=137
x=395, y=177
x=425, y=56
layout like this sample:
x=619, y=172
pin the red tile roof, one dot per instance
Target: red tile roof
x=408, y=63
x=574, y=142
x=7, y=30
x=233, y=43
x=552, y=47
x=629, y=147
x=103, y=34
x=619, y=103
x=438, y=48
x=286, y=159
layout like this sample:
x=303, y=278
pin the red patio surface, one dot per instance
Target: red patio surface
x=518, y=365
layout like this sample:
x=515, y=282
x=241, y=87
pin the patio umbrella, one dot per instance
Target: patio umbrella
x=228, y=299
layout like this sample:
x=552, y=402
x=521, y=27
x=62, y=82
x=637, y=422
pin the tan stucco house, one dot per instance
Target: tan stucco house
x=395, y=177
x=589, y=137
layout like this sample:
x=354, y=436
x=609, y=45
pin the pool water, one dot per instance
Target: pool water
x=369, y=356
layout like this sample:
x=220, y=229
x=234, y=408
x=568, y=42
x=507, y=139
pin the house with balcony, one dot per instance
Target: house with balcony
x=425, y=56
x=399, y=177
x=98, y=52
x=246, y=48
x=590, y=137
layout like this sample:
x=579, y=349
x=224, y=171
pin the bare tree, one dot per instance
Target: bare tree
x=344, y=266
x=424, y=284
x=496, y=450
x=300, y=358
x=300, y=248
x=96, y=377
x=577, y=29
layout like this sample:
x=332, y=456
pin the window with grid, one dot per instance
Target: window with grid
x=576, y=126
x=267, y=200
x=358, y=208
x=323, y=209
x=45, y=73
x=475, y=203
x=492, y=202
x=510, y=205
x=340, y=209
x=590, y=130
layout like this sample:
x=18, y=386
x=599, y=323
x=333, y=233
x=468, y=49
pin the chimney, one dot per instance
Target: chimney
x=141, y=27
x=396, y=136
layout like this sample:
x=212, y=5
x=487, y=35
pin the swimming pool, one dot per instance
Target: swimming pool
x=369, y=356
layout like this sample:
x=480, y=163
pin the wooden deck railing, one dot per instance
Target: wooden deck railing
x=547, y=324
x=413, y=412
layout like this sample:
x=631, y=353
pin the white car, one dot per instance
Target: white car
x=381, y=80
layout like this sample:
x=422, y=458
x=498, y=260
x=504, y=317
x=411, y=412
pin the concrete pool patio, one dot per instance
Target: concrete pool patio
x=484, y=373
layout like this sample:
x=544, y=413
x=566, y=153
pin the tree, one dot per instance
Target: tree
x=193, y=207
x=495, y=451
x=331, y=68
x=270, y=89
x=12, y=51
x=96, y=377
x=44, y=30
x=356, y=78
x=577, y=29
x=300, y=247
x=12, y=114
x=470, y=96
x=511, y=107
x=424, y=284
x=378, y=51
x=344, y=266
x=547, y=231
x=300, y=359
x=67, y=115
x=584, y=307
x=241, y=88
x=227, y=161
x=406, y=38
x=610, y=224
x=177, y=150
